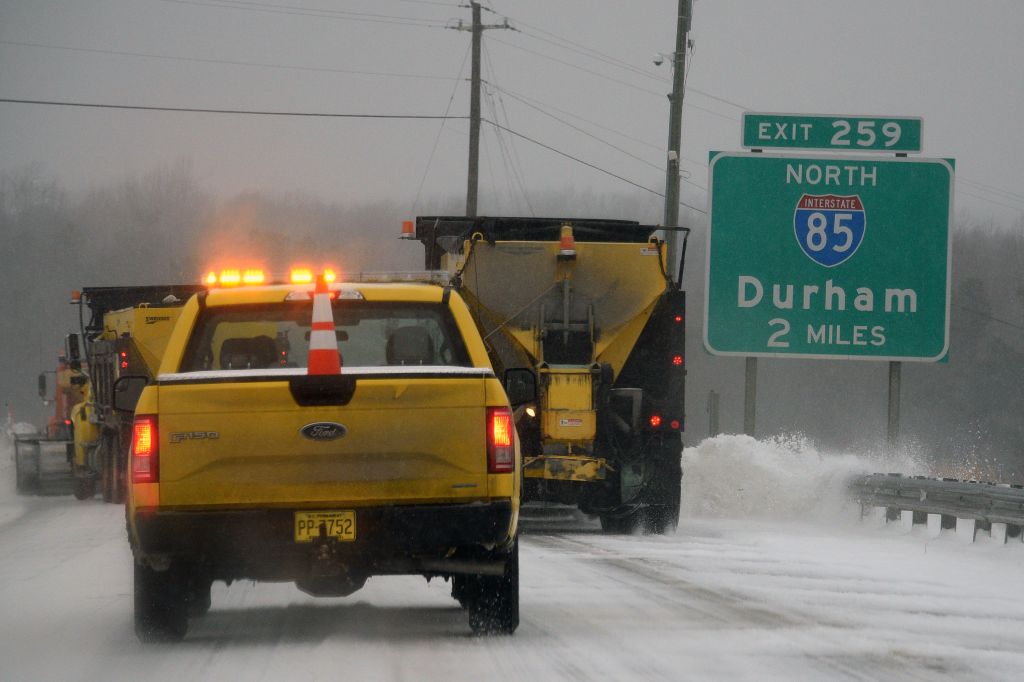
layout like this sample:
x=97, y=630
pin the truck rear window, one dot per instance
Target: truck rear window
x=369, y=334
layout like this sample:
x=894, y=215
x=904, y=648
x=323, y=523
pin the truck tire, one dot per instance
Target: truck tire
x=198, y=596
x=494, y=604
x=621, y=524
x=161, y=604
x=664, y=493
x=106, y=458
x=112, y=469
x=26, y=471
x=120, y=488
x=460, y=589
x=85, y=487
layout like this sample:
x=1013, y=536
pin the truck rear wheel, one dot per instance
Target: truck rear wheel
x=26, y=470
x=623, y=524
x=112, y=469
x=120, y=489
x=85, y=487
x=161, y=604
x=494, y=602
x=461, y=585
x=198, y=596
x=105, y=462
x=664, y=493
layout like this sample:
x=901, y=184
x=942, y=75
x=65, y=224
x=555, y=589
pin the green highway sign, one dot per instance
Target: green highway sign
x=828, y=256
x=893, y=134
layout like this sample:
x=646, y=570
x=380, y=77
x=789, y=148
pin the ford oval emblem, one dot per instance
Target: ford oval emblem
x=323, y=431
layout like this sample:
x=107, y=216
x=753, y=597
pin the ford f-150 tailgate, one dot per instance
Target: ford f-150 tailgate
x=248, y=438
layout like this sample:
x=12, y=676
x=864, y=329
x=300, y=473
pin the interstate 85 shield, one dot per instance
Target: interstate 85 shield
x=829, y=228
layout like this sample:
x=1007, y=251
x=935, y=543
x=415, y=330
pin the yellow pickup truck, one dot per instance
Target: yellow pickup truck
x=244, y=465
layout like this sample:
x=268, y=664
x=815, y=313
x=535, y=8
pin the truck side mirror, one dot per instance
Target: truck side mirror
x=520, y=385
x=72, y=352
x=42, y=386
x=127, y=390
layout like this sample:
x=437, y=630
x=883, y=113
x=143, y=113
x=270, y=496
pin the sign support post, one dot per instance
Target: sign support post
x=895, y=387
x=750, y=397
x=895, y=370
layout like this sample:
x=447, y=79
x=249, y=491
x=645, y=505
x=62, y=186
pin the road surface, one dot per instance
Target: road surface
x=722, y=598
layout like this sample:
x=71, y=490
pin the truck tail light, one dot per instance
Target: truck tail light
x=501, y=444
x=145, y=453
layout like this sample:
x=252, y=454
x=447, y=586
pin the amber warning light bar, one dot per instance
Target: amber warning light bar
x=233, y=277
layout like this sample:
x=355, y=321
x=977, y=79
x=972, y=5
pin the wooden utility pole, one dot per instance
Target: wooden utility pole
x=472, y=179
x=675, y=125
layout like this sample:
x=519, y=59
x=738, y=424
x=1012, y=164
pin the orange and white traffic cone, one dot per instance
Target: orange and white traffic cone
x=567, y=244
x=324, y=357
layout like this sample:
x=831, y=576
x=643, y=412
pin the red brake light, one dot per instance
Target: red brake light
x=675, y=424
x=677, y=318
x=655, y=420
x=501, y=451
x=145, y=451
x=677, y=360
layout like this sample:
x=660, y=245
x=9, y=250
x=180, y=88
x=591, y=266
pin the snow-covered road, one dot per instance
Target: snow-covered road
x=721, y=599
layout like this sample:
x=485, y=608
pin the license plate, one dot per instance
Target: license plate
x=309, y=525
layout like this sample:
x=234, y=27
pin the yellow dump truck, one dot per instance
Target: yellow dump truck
x=248, y=462
x=589, y=307
x=125, y=333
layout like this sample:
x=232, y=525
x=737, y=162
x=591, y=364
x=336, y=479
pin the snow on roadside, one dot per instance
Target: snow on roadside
x=785, y=477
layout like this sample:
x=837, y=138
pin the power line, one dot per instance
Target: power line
x=588, y=164
x=201, y=60
x=594, y=54
x=606, y=77
x=592, y=136
x=514, y=164
x=993, y=189
x=988, y=316
x=581, y=49
x=546, y=105
x=429, y=2
x=1012, y=196
x=529, y=101
x=579, y=68
x=244, y=112
x=961, y=190
x=586, y=51
x=440, y=130
x=342, y=15
x=583, y=132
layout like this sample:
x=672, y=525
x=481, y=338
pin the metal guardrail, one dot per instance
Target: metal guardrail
x=987, y=502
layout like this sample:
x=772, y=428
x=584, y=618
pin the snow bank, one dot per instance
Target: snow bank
x=784, y=477
x=23, y=428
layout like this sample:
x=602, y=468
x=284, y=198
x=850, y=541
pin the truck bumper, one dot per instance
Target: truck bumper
x=260, y=544
x=565, y=468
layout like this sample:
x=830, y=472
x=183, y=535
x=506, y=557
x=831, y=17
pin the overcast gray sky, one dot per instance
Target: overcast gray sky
x=956, y=63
